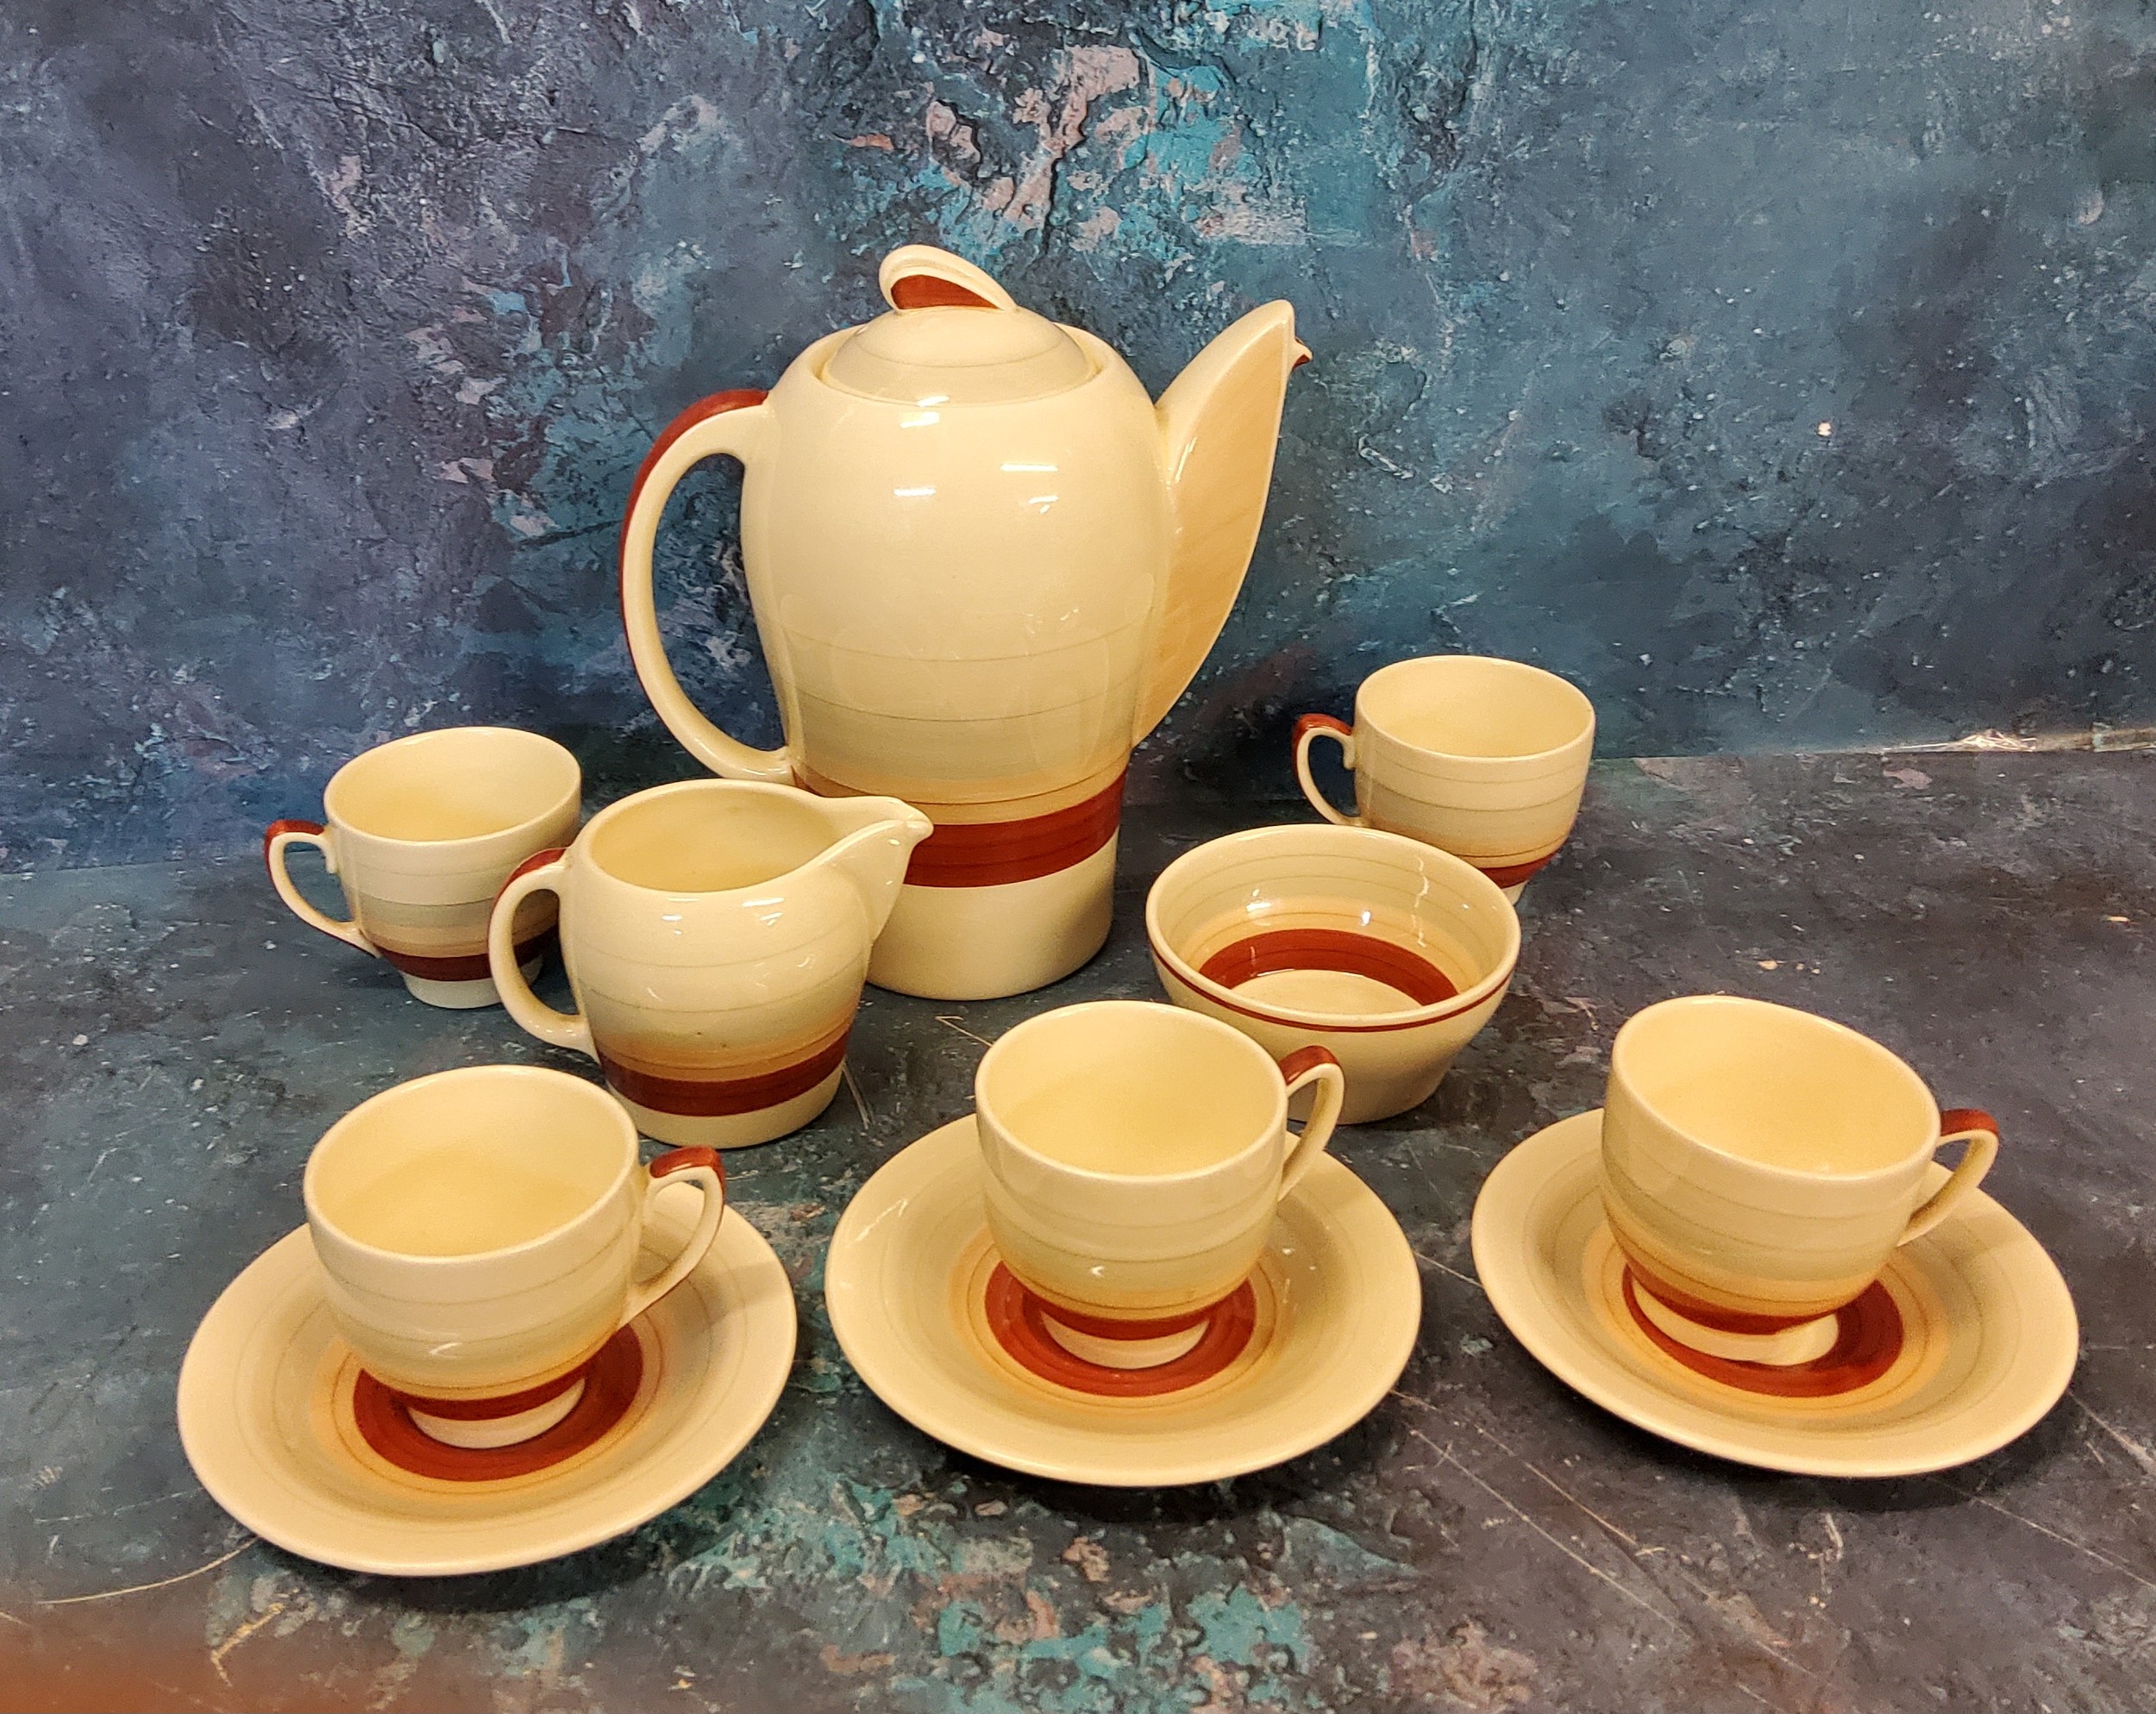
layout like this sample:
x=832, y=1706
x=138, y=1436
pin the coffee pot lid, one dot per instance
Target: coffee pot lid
x=953, y=336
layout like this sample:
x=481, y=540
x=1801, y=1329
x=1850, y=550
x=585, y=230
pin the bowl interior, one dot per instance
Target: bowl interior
x=1296, y=921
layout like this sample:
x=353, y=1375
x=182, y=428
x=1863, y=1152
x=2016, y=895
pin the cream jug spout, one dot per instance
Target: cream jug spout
x=874, y=843
x=1219, y=421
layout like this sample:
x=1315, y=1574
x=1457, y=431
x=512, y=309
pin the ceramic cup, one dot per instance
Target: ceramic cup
x=1135, y=1153
x=1481, y=757
x=1760, y=1164
x=477, y=1231
x=717, y=934
x=422, y=833
x=1387, y=954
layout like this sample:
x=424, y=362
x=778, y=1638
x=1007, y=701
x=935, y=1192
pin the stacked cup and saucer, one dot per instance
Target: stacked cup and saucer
x=1126, y=1267
x=499, y=1337
x=1750, y=1250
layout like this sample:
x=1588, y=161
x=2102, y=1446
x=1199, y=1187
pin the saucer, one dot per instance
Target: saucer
x=1967, y=1339
x=292, y=1438
x=934, y=1323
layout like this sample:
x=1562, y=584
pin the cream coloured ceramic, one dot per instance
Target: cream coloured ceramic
x=932, y=1323
x=1759, y=1163
x=1133, y=1155
x=1966, y=1339
x=477, y=1231
x=288, y=1435
x=983, y=564
x=717, y=934
x=1481, y=757
x=422, y=833
x=1387, y=954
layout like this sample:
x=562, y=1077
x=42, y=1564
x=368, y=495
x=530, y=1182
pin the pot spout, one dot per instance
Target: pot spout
x=1219, y=423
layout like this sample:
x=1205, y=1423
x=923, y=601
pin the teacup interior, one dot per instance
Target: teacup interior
x=1773, y=1085
x=1331, y=921
x=1132, y=1088
x=708, y=837
x=460, y=1166
x=1474, y=705
x=460, y=783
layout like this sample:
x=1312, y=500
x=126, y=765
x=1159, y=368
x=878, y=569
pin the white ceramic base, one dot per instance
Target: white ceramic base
x=499, y=1430
x=266, y=1415
x=463, y=995
x=733, y=1130
x=1124, y=1354
x=1804, y=1343
x=981, y=943
x=1987, y=1342
x=1337, y=1297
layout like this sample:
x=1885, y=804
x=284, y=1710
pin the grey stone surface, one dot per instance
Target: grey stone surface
x=335, y=328
x=173, y=1043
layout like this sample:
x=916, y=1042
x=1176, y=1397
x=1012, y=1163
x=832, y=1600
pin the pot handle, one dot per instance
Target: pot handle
x=733, y=425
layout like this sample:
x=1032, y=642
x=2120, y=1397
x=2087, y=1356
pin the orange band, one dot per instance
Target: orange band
x=464, y=967
x=699, y=1098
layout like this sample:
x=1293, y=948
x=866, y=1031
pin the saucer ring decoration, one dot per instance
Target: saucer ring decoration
x=717, y=934
x=938, y=1329
x=1385, y=951
x=421, y=833
x=292, y=1435
x=1481, y=757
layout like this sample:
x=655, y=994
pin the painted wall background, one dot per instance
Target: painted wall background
x=334, y=330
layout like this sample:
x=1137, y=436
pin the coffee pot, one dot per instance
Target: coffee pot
x=983, y=564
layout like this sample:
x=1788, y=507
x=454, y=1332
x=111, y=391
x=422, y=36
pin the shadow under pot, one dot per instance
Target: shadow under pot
x=716, y=934
x=1387, y=953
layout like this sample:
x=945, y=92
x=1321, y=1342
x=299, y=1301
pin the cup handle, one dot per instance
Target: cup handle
x=540, y=872
x=1979, y=1131
x=275, y=838
x=704, y=1168
x=1308, y=729
x=1301, y=1068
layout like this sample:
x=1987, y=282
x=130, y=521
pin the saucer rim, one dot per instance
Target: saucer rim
x=1505, y=1269
x=1115, y=1467
x=738, y=1245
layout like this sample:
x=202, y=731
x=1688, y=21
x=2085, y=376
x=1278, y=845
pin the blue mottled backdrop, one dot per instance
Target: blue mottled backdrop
x=1782, y=374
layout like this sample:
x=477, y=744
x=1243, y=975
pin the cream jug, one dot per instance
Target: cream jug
x=716, y=934
x=983, y=564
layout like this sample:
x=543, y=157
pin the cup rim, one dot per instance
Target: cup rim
x=1192, y=1174
x=570, y=797
x=625, y=1126
x=1472, y=880
x=1425, y=664
x=1618, y=1051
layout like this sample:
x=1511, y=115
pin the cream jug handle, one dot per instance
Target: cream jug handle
x=542, y=871
x=730, y=424
x=1301, y=1068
